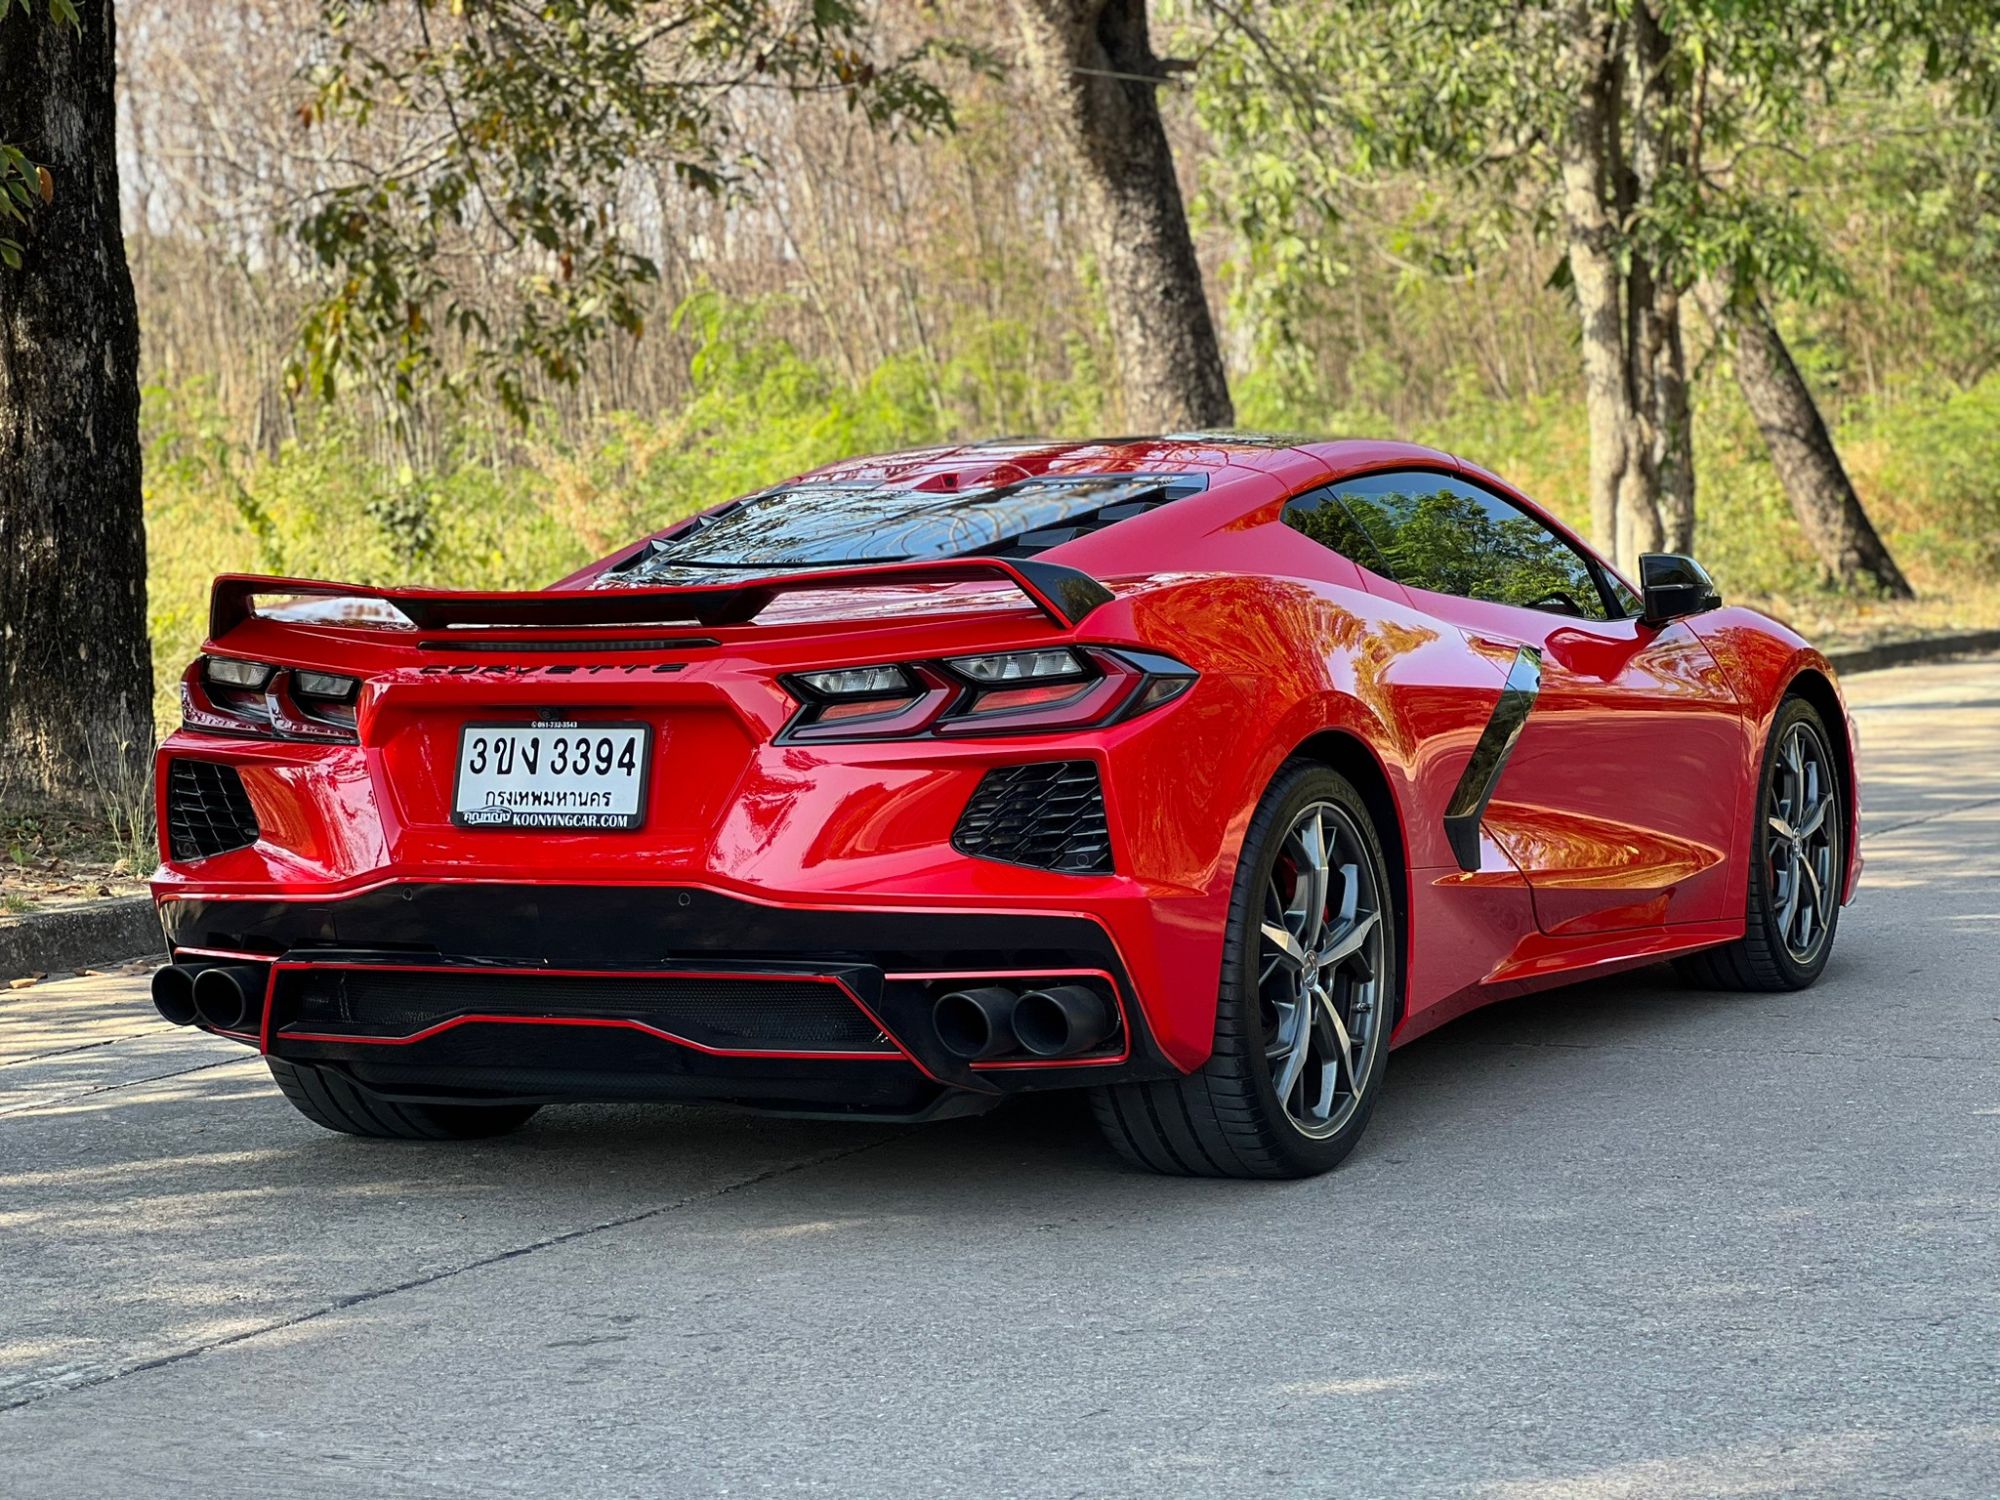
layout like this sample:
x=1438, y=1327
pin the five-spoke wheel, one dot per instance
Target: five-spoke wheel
x=1801, y=839
x=1321, y=941
x=1798, y=864
x=1307, y=1001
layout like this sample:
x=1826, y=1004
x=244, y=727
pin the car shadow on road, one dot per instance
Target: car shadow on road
x=169, y=1212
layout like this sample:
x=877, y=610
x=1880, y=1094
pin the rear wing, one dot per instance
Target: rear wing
x=1064, y=595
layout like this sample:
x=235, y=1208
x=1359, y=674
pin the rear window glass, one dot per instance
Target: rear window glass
x=823, y=525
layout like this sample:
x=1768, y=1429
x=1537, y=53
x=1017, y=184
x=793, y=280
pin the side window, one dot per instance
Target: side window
x=1321, y=516
x=1439, y=533
x=1625, y=604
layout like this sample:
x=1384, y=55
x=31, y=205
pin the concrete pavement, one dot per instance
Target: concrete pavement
x=1625, y=1240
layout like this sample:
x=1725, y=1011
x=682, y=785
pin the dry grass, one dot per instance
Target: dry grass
x=1835, y=622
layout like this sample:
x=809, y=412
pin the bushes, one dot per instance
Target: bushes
x=1927, y=465
x=316, y=509
x=504, y=509
x=1934, y=468
x=510, y=510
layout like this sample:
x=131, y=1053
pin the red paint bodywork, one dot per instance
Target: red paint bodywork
x=1620, y=831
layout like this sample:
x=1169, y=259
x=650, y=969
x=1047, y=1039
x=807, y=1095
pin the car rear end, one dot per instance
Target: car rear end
x=882, y=841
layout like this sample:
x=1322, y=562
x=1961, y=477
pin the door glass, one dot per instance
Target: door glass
x=1439, y=533
x=1626, y=602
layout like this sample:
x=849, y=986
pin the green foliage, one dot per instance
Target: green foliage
x=522, y=513
x=516, y=123
x=25, y=185
x=61, y=12
x=1936, y=470
x=1323, y=114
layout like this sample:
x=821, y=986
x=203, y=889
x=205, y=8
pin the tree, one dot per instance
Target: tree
x=1802, y=450
x=1093, y=63
x=1630, y=129
x=1630, y=322
x=485, y=239
x=75, y=668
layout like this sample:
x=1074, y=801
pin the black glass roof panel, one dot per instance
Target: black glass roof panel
x=826, y=525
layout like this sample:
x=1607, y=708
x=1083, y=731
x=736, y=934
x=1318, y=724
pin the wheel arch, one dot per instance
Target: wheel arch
x=1349, y=755
x=1815, y=687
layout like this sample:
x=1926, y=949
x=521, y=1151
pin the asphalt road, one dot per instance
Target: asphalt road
x=1628, y=1240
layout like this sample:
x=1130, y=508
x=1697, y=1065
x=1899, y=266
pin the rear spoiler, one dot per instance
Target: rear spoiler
x=1065, y=595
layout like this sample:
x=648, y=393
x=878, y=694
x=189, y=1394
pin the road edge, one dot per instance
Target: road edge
x=1927, y=648
x=117, y=930
x=74, y=937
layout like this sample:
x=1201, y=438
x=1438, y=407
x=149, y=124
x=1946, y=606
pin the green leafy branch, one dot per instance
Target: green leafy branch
x=496, y=251
x=25, y=184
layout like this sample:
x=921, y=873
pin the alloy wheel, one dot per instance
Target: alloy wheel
x=1801, y=842
x=1320, y=962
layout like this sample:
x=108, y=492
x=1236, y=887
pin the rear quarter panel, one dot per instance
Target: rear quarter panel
x=1287, y=659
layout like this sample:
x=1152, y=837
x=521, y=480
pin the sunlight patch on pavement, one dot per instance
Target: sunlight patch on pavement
x=1365, y=1385
x=1769, y=1469
x=807, y=1227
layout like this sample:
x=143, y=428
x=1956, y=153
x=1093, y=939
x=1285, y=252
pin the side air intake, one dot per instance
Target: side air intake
x=1048, y=814
x=208, y=812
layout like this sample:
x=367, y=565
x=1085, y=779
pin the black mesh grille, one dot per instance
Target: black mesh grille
x=779, y=1014
x=1049, y=815
x=208, y=811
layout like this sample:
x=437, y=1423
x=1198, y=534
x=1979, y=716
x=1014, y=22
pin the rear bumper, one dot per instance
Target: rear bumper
x=525, y=991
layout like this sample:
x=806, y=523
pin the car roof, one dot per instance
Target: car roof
x=1008, y=497
x=959, y=466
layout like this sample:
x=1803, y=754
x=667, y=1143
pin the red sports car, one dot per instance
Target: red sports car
x=1196, y=771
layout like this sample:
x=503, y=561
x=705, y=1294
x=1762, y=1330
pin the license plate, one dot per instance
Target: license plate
x=555, y=775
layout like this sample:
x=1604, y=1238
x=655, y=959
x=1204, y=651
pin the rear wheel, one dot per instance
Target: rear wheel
x=1307, y=1000
x=328, y=1099
x=1796, y=874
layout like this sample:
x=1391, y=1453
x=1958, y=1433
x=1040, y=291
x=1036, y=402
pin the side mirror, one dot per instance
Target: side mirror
x=1671, y=586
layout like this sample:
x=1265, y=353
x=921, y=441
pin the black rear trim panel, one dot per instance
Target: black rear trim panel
x=661, y=928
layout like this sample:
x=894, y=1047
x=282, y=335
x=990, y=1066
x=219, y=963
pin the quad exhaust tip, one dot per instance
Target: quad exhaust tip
x=991, y=1020
x=221, y=997
x=1061, y=1021
x=173, y=994
x=230, y=997
x=977, y=1023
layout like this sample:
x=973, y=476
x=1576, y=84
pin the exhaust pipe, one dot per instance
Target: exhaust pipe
x=1061, y=1020
x=230, y=997
x=975, y=1023
x=173, y=994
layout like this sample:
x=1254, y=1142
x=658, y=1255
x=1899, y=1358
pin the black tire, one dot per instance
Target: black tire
x=1225, y=1119
x=337, y=1103
x=1763, y=959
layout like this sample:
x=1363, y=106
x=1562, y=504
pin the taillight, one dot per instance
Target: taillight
x=224, y=695
x=227, y=672
x=325, y=687
x=1020, y=666
x=860, y=683
x=1005, y=692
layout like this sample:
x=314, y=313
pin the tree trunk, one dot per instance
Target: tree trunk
x=75, y=666
x=1802, y=450
x=1653, y=301
x=1093, y=63
x=1621, y=482
x=1673, y=422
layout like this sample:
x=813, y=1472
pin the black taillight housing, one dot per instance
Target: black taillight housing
x=255, y=700
x=1031, y=691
